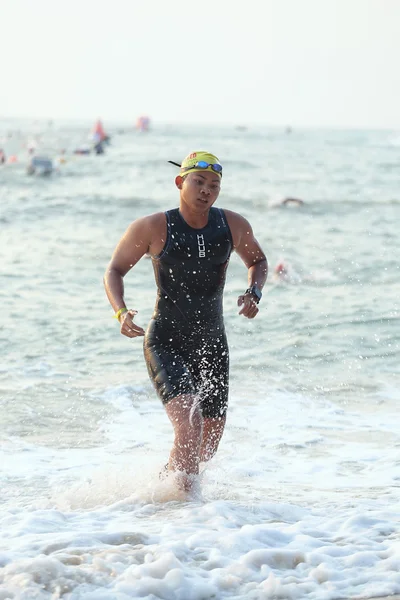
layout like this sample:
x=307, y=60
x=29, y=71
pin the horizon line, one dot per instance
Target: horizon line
x=236, y=124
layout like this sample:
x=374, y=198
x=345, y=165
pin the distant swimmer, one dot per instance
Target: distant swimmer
x=98, y=134
x=2, y=157
x=143, y=123
x=288, y=201
x=292, y=201
x=40, y=165
x=284, y=273
x=281, y=270
x=32, y=146
x=82, y=150
x=185, y=344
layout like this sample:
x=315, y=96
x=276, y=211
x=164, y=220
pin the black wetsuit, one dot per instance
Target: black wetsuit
x=185, y=345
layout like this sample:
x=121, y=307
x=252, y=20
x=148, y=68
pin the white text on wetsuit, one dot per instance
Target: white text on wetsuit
x=202, y=246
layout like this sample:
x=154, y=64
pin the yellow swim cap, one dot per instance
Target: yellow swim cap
x=200, y=161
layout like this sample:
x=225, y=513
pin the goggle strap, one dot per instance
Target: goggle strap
x=219, y=171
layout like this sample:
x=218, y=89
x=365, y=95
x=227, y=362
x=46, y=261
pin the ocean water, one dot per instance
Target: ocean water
x=302, y=499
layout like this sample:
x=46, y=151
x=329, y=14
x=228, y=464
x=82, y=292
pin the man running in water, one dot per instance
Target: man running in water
x=185, y=345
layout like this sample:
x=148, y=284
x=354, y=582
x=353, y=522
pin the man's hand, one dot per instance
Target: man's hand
x=249, y=306
x=128, y=327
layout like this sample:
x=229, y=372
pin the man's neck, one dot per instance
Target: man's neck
x=194, y=219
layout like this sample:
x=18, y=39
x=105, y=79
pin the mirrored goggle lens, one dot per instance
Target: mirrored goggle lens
x=203, y=165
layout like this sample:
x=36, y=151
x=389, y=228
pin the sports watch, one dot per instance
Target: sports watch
x=254, y=291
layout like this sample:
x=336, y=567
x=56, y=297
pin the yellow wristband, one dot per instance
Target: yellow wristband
x=120, y=312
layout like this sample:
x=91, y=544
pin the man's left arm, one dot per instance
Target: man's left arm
x=250, y=251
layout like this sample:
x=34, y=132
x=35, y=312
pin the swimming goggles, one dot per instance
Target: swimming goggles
x=201, y=164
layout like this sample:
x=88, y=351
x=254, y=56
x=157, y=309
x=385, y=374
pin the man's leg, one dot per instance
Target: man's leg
x=213, y=428
x=185, y=415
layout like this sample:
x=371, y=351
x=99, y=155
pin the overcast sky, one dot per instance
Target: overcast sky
x=273, y=62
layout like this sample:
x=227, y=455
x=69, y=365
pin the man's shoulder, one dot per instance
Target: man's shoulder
x=234, y=218
x=151, y=220
x=230, y=212
x=147, y=225
x=158, y=217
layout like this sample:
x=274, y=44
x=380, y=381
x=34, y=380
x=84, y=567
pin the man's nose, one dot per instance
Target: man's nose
x=205, y=190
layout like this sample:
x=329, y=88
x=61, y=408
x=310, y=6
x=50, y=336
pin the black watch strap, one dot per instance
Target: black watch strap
x=254, y=291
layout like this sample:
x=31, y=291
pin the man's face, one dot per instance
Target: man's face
x=199, y=190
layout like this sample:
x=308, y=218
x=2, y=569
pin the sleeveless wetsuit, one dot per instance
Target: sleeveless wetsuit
x=185, y=345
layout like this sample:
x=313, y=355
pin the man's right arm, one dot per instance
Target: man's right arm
x=133, y=245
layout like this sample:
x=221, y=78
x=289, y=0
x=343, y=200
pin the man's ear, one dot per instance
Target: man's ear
x=179, y=182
